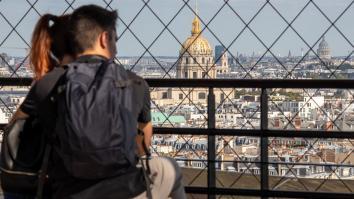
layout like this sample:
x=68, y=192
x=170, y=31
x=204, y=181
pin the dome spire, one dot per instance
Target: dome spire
x=196, y=23
x=196, y=7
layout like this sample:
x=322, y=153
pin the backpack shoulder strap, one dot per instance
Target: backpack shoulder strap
x=48, y=82
x=43, y=90
x=43, y=171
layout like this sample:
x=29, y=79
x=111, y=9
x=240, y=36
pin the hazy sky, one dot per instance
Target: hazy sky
x=268, y=25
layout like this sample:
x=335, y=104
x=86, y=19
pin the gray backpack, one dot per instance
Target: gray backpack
x=95, y=129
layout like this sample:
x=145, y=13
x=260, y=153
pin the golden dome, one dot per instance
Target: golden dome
x=196, y=43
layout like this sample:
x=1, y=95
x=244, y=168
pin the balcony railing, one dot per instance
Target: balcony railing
x=263, y=133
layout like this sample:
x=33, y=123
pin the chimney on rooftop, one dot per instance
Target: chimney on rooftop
x=297, y=123
x=276, y=122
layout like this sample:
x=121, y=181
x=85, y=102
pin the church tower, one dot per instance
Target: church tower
x=196, y=56
x=222, y=65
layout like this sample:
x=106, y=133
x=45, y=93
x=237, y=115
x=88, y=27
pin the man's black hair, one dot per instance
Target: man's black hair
x=87, y=22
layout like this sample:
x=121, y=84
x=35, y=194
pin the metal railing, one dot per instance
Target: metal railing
x=263, y=133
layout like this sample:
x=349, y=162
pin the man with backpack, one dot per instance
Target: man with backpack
x=91, y=117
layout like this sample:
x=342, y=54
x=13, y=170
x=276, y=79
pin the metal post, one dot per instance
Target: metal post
x=211, y=144
x=264, y=142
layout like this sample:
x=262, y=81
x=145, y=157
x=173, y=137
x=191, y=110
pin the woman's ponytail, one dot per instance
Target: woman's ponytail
x=41, y=60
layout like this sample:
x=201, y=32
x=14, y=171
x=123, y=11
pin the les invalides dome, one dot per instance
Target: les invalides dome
x=196, y=44
x=196, y=55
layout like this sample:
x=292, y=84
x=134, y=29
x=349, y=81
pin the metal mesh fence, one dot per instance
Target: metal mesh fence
x=261, y=39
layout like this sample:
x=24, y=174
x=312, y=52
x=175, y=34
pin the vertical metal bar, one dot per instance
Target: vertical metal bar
x=264, y=143
x=211, y=144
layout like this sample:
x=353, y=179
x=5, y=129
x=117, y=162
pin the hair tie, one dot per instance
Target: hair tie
x=52, y=20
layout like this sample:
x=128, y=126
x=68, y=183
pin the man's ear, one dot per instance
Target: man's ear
x=104, y=40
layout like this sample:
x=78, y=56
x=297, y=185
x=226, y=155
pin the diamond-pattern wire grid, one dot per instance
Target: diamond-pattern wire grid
x=314, y=151
x=71, y=5
x=311, y=144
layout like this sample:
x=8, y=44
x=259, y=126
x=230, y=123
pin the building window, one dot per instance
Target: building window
x=187, y=60
x=201, y=96
x=186, y=74
x=203, y=60
x=195, y=75
x=195, y=60
x=164, y=95
x=204, y=75
x=180, y=96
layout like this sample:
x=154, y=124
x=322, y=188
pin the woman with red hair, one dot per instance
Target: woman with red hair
x=50, y=44
x=50, y=48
